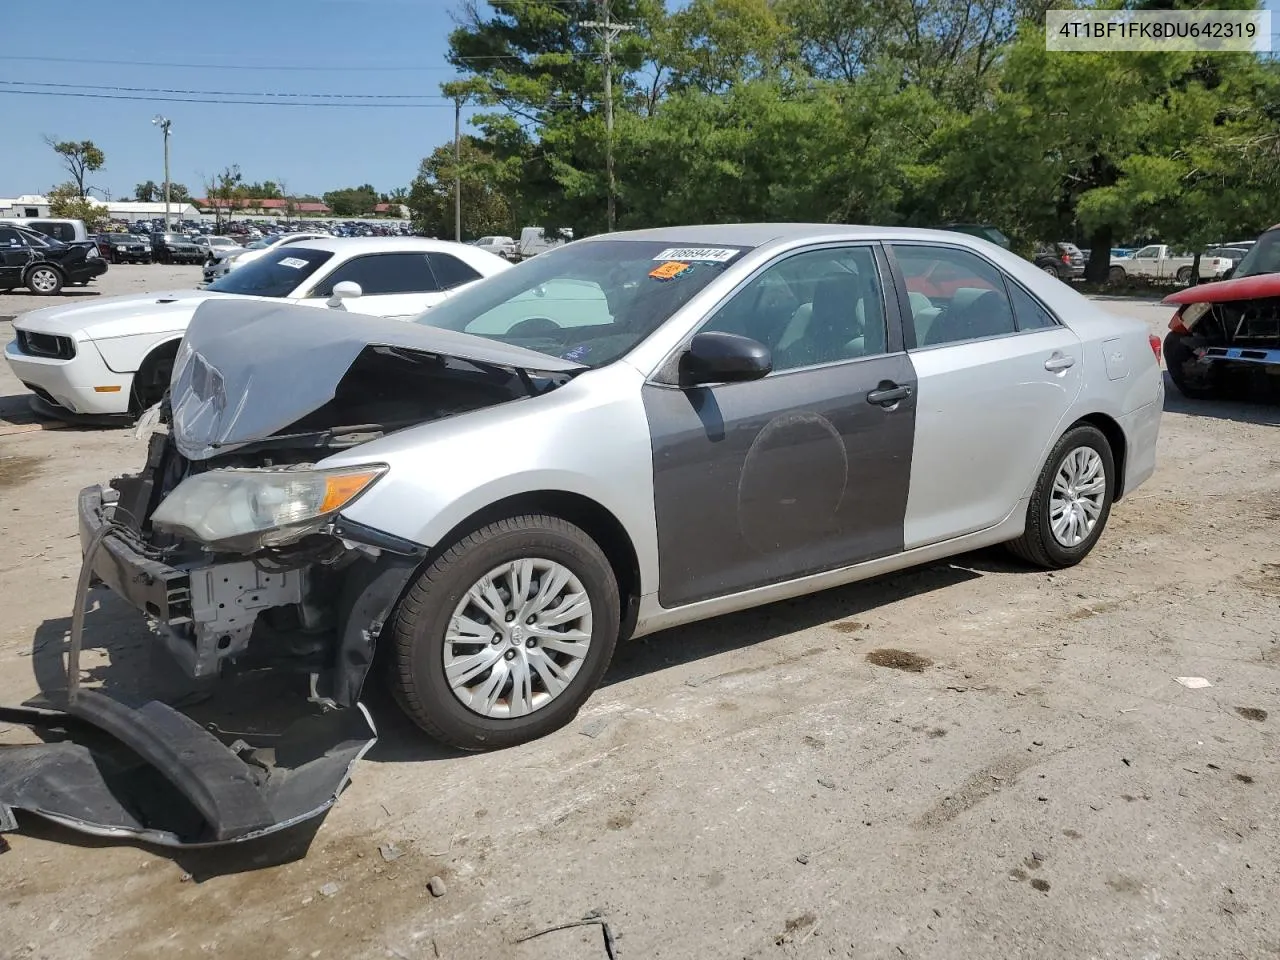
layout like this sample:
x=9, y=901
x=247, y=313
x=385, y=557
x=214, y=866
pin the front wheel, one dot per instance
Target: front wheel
x=1194, y=379
x=505, y=634
x=1071, y=501
x=44, y=281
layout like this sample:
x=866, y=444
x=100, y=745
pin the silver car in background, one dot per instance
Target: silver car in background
x=630, y=432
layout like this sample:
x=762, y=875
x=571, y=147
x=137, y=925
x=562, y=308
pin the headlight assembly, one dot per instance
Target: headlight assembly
x=247, y=510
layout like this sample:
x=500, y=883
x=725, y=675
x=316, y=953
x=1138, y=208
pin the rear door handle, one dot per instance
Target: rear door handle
x=888, y=394
x=1059, y=362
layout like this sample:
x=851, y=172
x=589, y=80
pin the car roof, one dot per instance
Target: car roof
x=760, y=234
x=373, y=244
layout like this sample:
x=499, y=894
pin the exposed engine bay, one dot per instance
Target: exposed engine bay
x=231, y=542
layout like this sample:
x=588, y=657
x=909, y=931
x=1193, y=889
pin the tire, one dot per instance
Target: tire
x=1116, y=275
x=1040, y=544
x=152, y=378
x=44, y=281
x=1051, y=270
x=1194, y=380
x=417, y=666
x=1183, y=276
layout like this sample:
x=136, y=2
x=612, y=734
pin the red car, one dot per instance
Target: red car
x=1225, y=335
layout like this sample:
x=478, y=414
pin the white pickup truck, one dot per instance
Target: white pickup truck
x=1160, y=262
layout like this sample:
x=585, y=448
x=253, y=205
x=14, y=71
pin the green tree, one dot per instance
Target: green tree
x=485, y=208
x=266, y=190
x=65, y=201
x=352, y=201
x=147, y=192
x=178, y=193
x=80, y=157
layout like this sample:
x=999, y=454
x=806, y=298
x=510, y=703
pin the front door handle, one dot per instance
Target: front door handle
x=1059, y=362
x=888, y=394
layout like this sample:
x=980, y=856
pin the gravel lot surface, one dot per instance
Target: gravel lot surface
x=1022, y=778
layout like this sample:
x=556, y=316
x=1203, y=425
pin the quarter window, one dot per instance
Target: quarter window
x=449, y=271
x=955, y=295
x=10, y=238
x=383, y=273
x=822, y=306
x=1028, y=311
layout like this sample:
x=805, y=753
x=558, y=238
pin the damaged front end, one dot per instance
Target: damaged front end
x=1224, y=334
x=232, y=542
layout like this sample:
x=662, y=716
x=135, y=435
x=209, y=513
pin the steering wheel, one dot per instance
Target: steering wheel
x=535, y=327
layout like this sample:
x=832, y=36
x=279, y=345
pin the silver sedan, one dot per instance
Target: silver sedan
x=629, y=432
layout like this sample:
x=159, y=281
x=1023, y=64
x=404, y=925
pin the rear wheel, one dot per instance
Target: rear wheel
x=506, y=634
x=1183, y=275
x=1071, y=501
x=1051, y=270
x=1116, y=275
x=44, y=281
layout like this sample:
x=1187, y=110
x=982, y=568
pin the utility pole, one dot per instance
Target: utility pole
x=457, y=169
x=609, y=31
x=164, y=124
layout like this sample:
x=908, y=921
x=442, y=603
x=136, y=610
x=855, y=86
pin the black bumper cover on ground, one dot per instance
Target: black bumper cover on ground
x=149, y=771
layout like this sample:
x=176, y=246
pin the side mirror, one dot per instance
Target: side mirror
x=723, y=358
x=346, y=290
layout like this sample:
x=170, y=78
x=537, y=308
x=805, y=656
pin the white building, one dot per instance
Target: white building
x=33, y=205
x=28, y=205
x=132, y=210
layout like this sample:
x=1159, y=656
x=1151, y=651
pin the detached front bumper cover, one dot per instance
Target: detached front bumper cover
x=150, y=771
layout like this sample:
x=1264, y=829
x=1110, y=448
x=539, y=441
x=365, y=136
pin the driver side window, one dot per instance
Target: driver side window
x=817, y=307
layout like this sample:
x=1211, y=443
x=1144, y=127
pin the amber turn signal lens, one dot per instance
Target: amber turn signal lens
x=342, y=489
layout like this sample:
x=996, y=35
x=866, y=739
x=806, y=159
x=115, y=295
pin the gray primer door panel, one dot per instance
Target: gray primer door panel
x=760, y=482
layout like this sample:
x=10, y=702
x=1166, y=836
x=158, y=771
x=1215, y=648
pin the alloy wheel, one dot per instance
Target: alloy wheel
x=518, y=638
x=44, y=281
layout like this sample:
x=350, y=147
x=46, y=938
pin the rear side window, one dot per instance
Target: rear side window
x=10, y=237
x=450, y=272
x=955, y=295
x=383, y=273
x=59, y=231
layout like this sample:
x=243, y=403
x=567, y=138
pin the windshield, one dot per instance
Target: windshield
x=589, y=303
x=274, y=274
x=1263, y=257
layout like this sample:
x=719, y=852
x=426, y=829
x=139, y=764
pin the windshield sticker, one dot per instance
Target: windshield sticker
x=577, y=354
x=670, y=270
x=709, y=254
x=295, y=262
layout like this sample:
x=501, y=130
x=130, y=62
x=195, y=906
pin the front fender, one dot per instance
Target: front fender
x=125, y=354
x=590, y=437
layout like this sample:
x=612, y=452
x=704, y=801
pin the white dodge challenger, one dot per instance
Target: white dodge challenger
x=113, y=357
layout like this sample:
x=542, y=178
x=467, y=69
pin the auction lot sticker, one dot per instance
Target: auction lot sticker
x=705, y=254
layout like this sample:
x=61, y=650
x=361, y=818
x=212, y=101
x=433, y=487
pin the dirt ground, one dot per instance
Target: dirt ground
x=966, y=760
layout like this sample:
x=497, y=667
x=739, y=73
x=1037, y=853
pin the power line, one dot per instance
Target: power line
x=417, y=68
x=258, y=103
x=223, y=93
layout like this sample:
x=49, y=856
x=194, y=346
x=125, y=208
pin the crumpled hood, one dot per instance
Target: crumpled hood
x=1224, y=291
x=249, y=368
x=101, y=319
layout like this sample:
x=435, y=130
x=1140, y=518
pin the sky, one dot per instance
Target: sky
x=312, y=149
x=386, y=48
